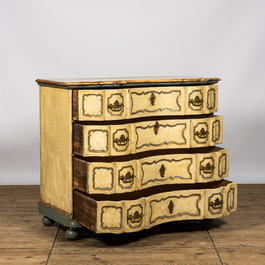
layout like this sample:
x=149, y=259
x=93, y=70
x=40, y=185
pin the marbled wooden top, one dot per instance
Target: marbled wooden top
x=127, y=81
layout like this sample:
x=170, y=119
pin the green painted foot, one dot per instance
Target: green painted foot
x=71, y=234
x=47, y=221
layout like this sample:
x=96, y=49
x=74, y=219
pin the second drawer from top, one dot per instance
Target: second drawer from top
x=124, y=139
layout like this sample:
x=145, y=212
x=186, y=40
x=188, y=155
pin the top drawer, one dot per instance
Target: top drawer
x=129, y=103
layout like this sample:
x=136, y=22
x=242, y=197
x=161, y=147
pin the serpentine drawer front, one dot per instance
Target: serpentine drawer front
x=137, y=174
x=125, y=154
x=106, y=140
x=117, y=104
x=109, y=214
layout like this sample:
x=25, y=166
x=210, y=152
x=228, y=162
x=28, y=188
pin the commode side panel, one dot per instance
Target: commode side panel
x=56, y=147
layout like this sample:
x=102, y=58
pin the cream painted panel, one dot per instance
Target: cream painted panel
x=96, y=140
x=121, y=140
x=200, y=132
x=56, y=147
x=207, y=167
x=206, y=132
x=211, y=104
x=167, y=169
x=116, y=104
x=91, y=105
x=232, y=198
x=109, y=178
x=216, y=132
x=134, y=215
x=101, y=178
x=223, y=163
x=163, y=134
x=194, y=100
x=215, y=203
x=201, y=99
x=126, y=176
x=110, y=217
x=152, y=101
x=176, y=205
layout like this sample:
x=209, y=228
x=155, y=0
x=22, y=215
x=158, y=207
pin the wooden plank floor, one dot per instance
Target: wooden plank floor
x=235, y=239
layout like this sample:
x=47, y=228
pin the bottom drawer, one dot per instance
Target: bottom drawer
x=143, y=209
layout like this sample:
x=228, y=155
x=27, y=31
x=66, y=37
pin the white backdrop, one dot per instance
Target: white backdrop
x=51, y=38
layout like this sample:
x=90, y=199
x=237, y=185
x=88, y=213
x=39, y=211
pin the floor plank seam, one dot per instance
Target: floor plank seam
x=213, y=243
x=53, y=245
x=115, y=248
x=241, y=247
x=22, y=248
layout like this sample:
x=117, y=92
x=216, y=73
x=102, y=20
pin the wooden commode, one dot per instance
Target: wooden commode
x=125, y=154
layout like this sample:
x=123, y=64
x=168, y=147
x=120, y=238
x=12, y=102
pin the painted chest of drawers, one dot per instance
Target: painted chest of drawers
x=125, y=154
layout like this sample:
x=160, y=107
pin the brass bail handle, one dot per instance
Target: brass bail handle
x=217, y=204
x=122, y=140
x=128, y=178
x=116, y=106
x=136, y=217
x=208, y=168
x=197, y=101
x=202, y=133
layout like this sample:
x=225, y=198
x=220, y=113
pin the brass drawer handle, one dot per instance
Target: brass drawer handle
x=122, y=140
x=197, y=101
x=116, y=106
x=207, y=169
x=156, y=127
x=128, y=178
x=162, y=171
x=217, y=204
x=171, y=207
x=136, y=217
x=202, y=133
x=152, y=99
